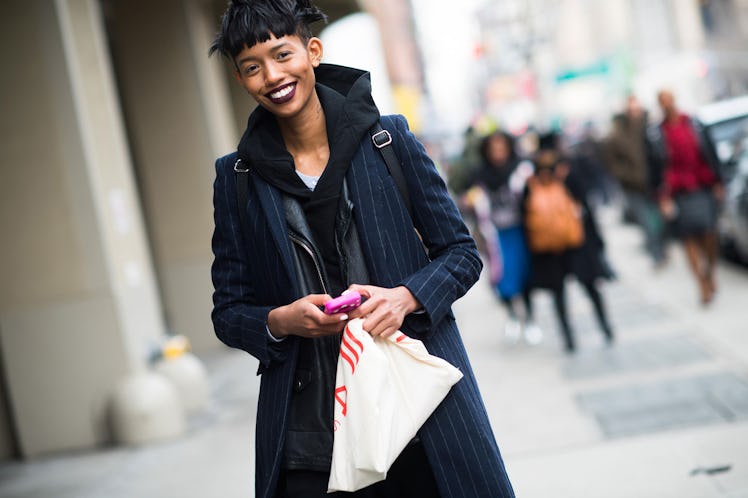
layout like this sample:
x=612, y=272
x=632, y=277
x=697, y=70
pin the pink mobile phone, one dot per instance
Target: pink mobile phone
x=343, y=303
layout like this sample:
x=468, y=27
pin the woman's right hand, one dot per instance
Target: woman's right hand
x=304, y=318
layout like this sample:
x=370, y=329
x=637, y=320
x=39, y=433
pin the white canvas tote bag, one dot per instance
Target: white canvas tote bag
x=385, y=390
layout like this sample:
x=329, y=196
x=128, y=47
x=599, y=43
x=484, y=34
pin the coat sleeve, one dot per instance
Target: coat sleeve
x=454, y=261
x=238, y=321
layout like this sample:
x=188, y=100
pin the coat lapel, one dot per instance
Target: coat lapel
x=272, y=206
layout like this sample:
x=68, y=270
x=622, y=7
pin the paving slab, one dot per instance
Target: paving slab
x=645, y=354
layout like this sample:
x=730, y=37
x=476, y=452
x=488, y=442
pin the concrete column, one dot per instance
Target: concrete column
x=79, y=308
x=179, y=120
x=689, y=29
x=402, y=56
x=8, y=448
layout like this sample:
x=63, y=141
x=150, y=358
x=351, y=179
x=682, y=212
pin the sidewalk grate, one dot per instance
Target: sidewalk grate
x=640, y=409
x=647, y=354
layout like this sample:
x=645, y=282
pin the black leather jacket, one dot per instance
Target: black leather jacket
x=309, y=437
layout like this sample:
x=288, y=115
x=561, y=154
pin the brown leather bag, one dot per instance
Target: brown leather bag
x=553, y=220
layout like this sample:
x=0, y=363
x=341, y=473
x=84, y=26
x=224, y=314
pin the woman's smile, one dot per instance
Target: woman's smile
x=282, y=94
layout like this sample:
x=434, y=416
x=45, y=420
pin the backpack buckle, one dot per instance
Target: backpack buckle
x=238, y=168
x=381, y=139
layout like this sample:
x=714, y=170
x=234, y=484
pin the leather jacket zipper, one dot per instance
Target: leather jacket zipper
x=308, y=249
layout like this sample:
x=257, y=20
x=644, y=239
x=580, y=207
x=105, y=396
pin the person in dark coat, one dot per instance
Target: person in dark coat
x=323, y=215
x=586, y=262
x=629, y=158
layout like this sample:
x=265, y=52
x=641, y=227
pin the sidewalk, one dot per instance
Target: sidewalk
x=634, y=420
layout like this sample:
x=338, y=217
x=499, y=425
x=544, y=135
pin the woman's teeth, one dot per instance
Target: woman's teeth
x=281, y=93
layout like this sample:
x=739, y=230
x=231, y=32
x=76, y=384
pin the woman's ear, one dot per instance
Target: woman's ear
x=314, y=49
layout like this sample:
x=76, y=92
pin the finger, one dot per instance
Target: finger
x=383, y=330
x=390, y=331
x=384, y=321
x=375, y=323
x=330, y=329
x=317, y=299
x=314, y=312
x=364, y=290
x=362, y=310
x=323, y=319
x=366, y=307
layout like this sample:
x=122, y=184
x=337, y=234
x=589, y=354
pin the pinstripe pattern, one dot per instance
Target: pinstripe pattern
x=253, y=272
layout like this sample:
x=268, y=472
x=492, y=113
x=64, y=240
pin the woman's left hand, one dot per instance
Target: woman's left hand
x=718, y=191
x=384, y=309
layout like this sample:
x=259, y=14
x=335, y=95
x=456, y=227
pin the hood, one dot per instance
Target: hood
x=345, y=95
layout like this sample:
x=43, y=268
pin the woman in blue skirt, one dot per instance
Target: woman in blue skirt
x=502, y=176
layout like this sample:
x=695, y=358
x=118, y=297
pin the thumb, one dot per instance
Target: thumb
x=361, y=289
x=318, y=299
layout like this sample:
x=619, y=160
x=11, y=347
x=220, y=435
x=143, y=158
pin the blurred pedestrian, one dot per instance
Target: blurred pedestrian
x=463, y=168
x=307, y=208
x=690, y=191
x=502, y=177
x=563, y=240
x=629, y=159
x=589, y=163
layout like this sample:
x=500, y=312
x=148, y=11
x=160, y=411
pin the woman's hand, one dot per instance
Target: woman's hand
x=304, y=318
x=384, y=309
x=718, y=191
x=667, y=208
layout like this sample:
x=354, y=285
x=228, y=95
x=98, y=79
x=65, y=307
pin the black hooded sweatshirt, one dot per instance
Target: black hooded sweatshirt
x=345, y=95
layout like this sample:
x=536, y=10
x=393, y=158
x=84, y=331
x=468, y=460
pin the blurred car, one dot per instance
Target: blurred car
x=726, y=127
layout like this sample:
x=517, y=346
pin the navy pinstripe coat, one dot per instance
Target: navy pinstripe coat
x=253, y=272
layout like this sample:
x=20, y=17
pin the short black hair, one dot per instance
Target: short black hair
x=506, y=137
x=248, y=22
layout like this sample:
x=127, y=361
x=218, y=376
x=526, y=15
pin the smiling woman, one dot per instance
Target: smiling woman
x=321, y=216
x=280, y=71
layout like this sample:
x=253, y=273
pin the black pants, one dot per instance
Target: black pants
x=409, y=477
x=559, y=301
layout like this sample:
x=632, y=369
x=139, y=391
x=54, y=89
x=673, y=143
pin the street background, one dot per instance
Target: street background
x=116, y=115
x=663, y=413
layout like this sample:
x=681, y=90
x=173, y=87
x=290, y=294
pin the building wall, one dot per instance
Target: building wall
x=61, y=336
x=159, y=58
x=90, y=158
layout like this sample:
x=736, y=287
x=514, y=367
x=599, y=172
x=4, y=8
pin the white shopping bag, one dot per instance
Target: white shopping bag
x=385, y=390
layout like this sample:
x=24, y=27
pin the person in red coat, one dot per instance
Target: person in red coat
x=690, y=192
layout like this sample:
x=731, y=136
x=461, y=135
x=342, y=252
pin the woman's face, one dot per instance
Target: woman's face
x=279, y=73
x=497, y=151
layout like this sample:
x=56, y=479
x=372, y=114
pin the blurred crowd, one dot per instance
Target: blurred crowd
x=532, y=202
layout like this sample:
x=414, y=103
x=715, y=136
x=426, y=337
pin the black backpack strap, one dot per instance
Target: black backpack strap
x=382, y=141
x=241, y=173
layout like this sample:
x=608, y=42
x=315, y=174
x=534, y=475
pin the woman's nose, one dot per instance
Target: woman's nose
x=273, y=74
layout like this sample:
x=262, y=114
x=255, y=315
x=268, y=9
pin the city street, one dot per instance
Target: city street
x=662, y=413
